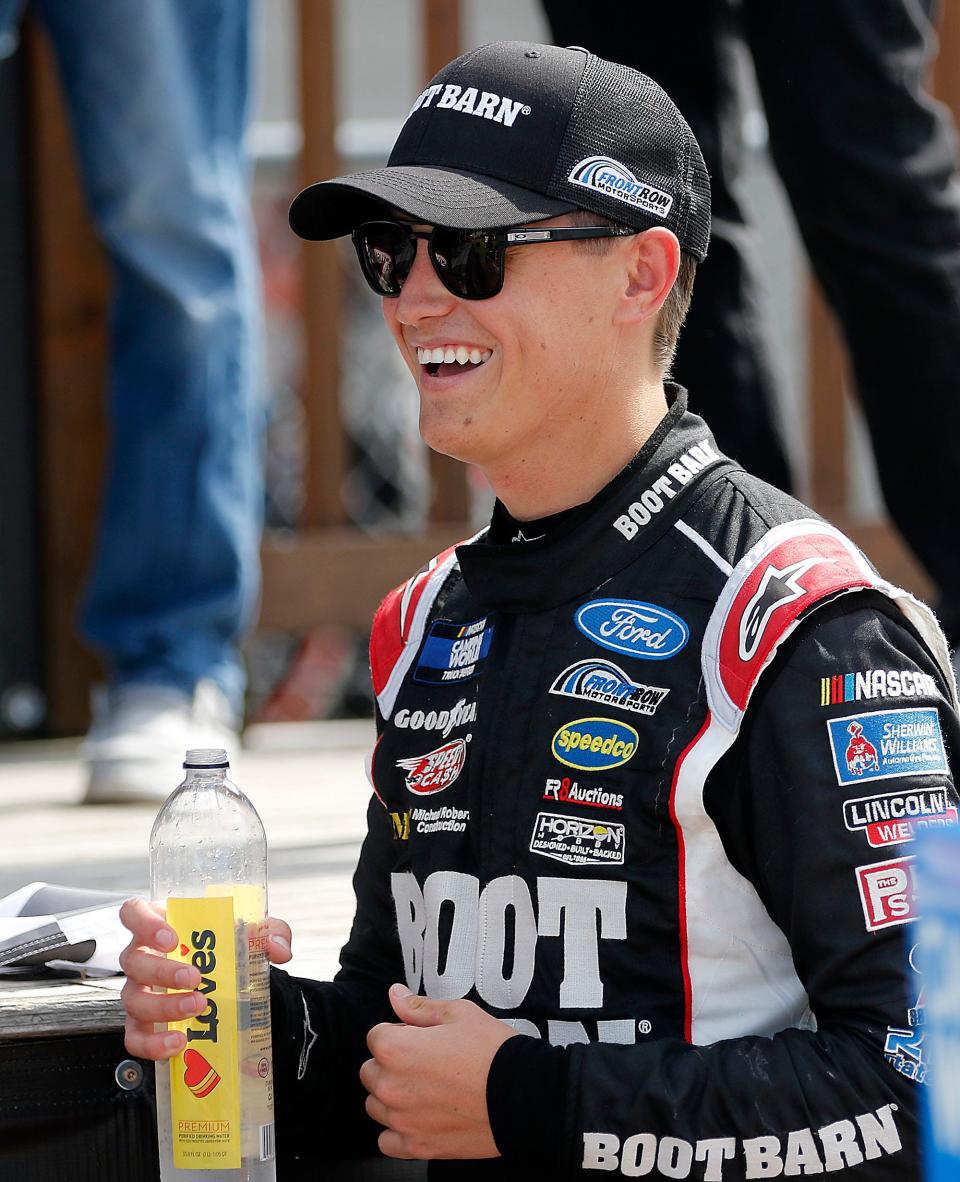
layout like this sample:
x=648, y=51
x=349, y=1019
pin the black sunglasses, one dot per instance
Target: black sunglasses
x=469, y=263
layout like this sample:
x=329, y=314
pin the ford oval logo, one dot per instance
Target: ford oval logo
x=632, y=627
x=592, y=744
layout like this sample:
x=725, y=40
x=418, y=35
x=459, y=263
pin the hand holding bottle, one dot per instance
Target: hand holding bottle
x=146, y=967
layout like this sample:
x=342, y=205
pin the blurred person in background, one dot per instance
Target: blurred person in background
x=157, y=94
x=869, y=163
x=621, y=905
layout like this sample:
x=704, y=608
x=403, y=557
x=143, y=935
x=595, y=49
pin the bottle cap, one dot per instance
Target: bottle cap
x=206, y=757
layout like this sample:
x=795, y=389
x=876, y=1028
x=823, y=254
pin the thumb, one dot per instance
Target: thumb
x=414, y=1010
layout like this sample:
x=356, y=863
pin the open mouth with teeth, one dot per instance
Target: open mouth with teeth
x=452, y=359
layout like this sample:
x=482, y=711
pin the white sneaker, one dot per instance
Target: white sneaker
x=135, y=746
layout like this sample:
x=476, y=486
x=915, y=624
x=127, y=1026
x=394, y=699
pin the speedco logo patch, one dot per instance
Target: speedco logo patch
x=613, y=179
x=576, y=842
x=430, y=773
x=594, y=744
x=887, y=893
x=602, y=681
x=632, y=627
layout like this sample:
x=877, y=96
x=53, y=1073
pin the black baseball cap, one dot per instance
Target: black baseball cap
x=516, y=132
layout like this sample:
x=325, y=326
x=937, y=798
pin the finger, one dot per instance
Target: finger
x=393, y=1145
x=386, y=1041
x=418, y=1011
x=378, y=1111
x=279, y=940
x=370, y=1074
x=148, y=925
x=147, y=969
x=144, y=1006
x=144, y=1042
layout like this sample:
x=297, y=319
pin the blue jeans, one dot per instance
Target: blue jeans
x=157, y=93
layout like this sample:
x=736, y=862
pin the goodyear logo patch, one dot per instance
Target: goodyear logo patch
x=453, y=652
x=632, y=627
x=613, y=179
x=594, y=744
x=888, y=743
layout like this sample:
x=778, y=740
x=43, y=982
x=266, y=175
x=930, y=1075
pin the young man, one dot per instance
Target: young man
x=652, y=749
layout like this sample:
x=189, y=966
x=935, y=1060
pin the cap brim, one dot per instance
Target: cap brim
x=439, y=196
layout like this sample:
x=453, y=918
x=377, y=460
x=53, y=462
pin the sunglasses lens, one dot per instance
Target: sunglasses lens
x=386, y=251
x=470, y=262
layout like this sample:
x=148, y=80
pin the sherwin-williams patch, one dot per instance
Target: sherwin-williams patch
x=594, y=744
x=453, y=652
x=886, y=744
x=632, y=627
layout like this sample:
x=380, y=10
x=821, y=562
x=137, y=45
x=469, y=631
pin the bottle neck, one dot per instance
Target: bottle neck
x=213, y=775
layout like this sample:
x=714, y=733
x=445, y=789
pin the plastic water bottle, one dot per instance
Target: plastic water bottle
x=208, y=868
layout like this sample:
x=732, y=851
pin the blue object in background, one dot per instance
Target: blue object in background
x=158, y=94
x=939, y=892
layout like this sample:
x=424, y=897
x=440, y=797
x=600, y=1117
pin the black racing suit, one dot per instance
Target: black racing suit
x=646, y=788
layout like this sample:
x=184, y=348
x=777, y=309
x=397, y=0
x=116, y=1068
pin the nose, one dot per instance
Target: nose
x=422, y=294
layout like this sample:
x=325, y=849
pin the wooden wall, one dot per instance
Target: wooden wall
x=327, y=572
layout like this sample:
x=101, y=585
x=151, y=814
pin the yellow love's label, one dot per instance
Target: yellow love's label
x=205, y=1076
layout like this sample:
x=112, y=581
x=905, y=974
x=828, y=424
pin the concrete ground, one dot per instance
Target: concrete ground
x=307, y=781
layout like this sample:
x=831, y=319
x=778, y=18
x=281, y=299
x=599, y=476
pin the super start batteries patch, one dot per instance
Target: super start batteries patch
x=453, y=652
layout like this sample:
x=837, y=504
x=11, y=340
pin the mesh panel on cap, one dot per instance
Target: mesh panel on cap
x=620, y=113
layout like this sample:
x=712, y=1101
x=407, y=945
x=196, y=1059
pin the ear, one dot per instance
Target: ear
x=652, y=261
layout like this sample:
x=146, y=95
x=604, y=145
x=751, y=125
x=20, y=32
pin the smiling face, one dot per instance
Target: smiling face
x=545, y=377
x=517, y=370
